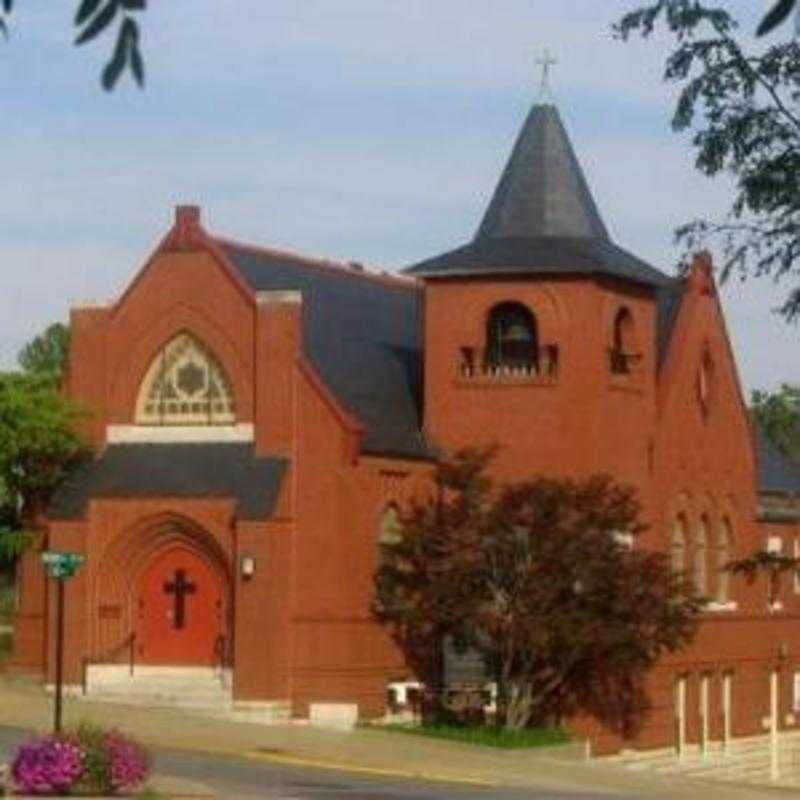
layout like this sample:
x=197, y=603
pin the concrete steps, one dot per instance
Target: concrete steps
x=745, y=760
x=191, y=688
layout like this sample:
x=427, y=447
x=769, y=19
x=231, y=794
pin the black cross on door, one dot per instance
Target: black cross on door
x=180, y=587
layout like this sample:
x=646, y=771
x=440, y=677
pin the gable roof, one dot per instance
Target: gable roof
x=776, y=473
x=363, y=335
x=542, y=218
x=175, y=470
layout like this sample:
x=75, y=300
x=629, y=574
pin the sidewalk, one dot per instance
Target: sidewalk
x=25, y=705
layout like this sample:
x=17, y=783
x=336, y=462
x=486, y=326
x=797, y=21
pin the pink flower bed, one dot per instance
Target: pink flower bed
x=87, y=760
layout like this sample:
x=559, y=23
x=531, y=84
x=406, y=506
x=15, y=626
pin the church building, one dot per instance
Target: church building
x=257, y=416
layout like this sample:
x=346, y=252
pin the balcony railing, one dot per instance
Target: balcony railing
x=480, y=365
x=622, y=363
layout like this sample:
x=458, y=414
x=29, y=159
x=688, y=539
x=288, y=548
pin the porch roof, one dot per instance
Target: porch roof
x=175, y=470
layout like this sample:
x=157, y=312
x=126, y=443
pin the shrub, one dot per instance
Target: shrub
x=87, y=760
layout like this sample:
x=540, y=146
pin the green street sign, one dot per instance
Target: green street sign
x=62, y=565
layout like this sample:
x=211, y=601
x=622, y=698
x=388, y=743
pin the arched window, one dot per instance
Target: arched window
x=511, y=337
x=724, y=555
x=678, y=554
x=700, y=570
x=185, y=385
x=622, y=353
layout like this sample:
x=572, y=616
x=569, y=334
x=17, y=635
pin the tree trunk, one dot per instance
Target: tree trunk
x=519, y=705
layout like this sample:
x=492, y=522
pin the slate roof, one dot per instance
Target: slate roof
x=175, y=470
x=542, y=218
x=363, y=334
x=776, y=473
x=668, y=303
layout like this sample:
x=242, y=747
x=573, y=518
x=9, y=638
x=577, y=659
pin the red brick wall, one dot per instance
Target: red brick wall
x=649, y=429
x=538, y=424
x=302, y=627
x=340, y=654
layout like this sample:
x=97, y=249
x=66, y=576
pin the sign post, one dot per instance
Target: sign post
x=60, y=567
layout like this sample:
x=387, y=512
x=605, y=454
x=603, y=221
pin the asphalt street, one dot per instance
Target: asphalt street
x=240, y=779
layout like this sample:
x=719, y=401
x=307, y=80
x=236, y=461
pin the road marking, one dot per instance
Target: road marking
x=302, y=761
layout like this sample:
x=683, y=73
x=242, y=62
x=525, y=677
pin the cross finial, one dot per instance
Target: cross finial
x=547, y=61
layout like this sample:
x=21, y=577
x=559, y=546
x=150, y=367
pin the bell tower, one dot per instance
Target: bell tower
x=520, y=321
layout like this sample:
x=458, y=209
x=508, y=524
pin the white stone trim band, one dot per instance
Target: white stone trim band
x=291, y=296
x=162, y=434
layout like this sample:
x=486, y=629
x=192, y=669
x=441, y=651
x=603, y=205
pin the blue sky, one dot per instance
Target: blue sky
x=361, y=130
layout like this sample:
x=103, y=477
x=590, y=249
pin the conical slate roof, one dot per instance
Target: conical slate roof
x=542, y=191
x=542, y=218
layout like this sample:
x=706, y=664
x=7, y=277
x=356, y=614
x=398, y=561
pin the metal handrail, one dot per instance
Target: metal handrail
x=129, y=642
x=621, y=362
x=222, y=652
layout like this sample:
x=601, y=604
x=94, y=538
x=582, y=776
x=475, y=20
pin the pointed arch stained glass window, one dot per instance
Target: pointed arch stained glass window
x=185, y=385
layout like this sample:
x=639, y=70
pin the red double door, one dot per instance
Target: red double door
x=181, y=611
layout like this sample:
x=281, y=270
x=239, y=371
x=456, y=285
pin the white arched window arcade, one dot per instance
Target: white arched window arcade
x=724, y=556
x=185, y=385
x=678, y=549
x=700, y=555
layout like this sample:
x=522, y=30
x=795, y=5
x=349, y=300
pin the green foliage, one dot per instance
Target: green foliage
x=96, y=778
x=38, y=440
x=770, y=565
x=47, y=353
x=39, y=446
x=487, y=736
x=532, y=576
x=778, y=415
x=741, y=109
x=94, y=17
x=13, y=543
x=6, y=604
x=6, y=649
x=775, y=16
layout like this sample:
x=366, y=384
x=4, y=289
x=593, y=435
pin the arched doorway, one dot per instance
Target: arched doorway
x=133, y=599
x=180, y=610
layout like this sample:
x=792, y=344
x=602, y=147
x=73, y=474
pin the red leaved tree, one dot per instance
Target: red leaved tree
x=540, y=577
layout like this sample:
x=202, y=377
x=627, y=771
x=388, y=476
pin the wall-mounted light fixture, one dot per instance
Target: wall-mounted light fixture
x=247, y=565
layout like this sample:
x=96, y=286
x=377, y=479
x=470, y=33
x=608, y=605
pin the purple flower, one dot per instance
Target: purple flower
x=46, y=766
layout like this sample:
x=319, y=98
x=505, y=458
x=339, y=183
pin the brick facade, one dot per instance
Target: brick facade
x=299, y=629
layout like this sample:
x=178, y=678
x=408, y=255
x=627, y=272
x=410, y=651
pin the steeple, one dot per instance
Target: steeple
x=542, y=218
x=542, y=191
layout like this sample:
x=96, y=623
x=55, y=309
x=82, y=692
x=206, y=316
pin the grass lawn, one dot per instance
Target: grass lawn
x=485, y=736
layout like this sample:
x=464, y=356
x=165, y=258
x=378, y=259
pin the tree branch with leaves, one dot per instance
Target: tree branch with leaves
x=534, y=577
x=95, y=17
x=741, y=108
x=39, y=439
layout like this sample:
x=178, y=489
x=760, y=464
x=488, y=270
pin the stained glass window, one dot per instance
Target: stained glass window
x=185, y=385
